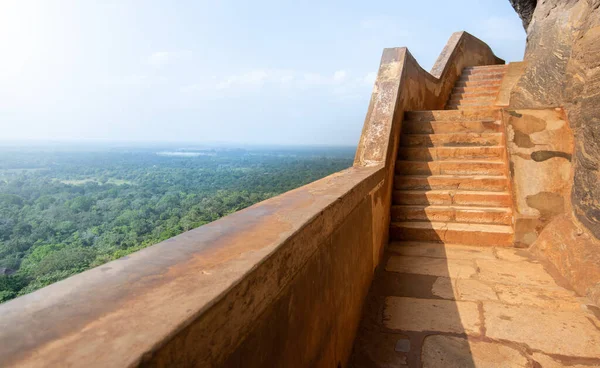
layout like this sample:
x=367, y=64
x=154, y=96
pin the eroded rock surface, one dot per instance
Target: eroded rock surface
x=556, y=186
x=540, y=148
x=525, y=10
x=563, y=69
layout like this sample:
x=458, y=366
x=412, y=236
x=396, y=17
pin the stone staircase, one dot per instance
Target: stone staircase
x=451, y=183
x=477, y=87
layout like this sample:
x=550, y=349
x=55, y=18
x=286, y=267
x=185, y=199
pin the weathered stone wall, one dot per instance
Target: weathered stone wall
x=575, y=253
x=293, y=269
x=562, y=69
x=540, y=148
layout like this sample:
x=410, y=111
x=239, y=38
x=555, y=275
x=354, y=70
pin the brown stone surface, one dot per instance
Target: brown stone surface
x=380, y=350
x=511, y=254
x=514, y=71
x=439, y=250
x=463, y=289
x=540, y=148
x=440, y=127
x=546, y=298
x=510, y=312
x=546, y=361
x=445, y=182
x=453, y=352
x=454, y=139
x=519, y=273
x=567, y=333
x=462, y=167
x=452, y=197
x=453, y=115
x=552, y=146
x=456, y=268
x=476, y=215
x=491, y=80
x=574, y=251
x=450, y=232
x=563, y=70
x=412, y=314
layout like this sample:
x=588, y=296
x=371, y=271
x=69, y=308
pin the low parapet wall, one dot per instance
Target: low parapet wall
x=281, y=283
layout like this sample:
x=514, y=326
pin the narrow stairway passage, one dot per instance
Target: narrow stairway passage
x=451, y=181
x=451, y=290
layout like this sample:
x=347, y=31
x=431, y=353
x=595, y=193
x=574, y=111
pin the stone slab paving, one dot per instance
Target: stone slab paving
x=412, y=314
x=448, y=351
x=435, y=305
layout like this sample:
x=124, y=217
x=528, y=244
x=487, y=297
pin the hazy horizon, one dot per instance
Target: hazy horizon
x=153, y=143
x=265, y=73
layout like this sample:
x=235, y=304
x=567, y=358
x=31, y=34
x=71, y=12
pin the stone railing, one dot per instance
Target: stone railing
x=281, y=283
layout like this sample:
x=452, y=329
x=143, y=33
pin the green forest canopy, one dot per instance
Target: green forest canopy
x=63, y=211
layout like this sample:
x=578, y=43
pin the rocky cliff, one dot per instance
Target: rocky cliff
x=525, y=10
x=562, y=69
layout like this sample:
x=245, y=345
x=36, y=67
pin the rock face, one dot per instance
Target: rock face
x=563, y=69
x=525, y=10
x=540, y=148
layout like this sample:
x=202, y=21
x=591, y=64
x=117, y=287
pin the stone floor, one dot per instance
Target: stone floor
x=435, y=305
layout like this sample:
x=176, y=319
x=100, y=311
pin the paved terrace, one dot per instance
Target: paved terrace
x=436, y=305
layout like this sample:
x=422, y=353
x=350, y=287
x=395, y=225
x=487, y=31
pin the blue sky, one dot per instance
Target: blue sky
x=257, y=72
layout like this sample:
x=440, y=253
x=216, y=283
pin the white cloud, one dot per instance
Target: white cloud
x=287, y=79
x=313, y=79
x=339, y=83
x=161, y=58
x=369, y=79
x=134, y=80
x=339, y=76
x=254, y=78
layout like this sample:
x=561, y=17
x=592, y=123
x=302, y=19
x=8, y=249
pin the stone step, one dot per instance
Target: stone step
x=484, y=68
x=463, y=214
x=464, y=167
x=481, y=76
x=482, y=94
x=450, y=153
x=451, y=197
x=453, y=115
x=473, y=99
x=477, y=72
x=436, y=127
x=471, y=104
x=480, y=83
x=451, y=139
x=469, y=108
x=451, y=182
x=459, y=233
x=477, y=89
